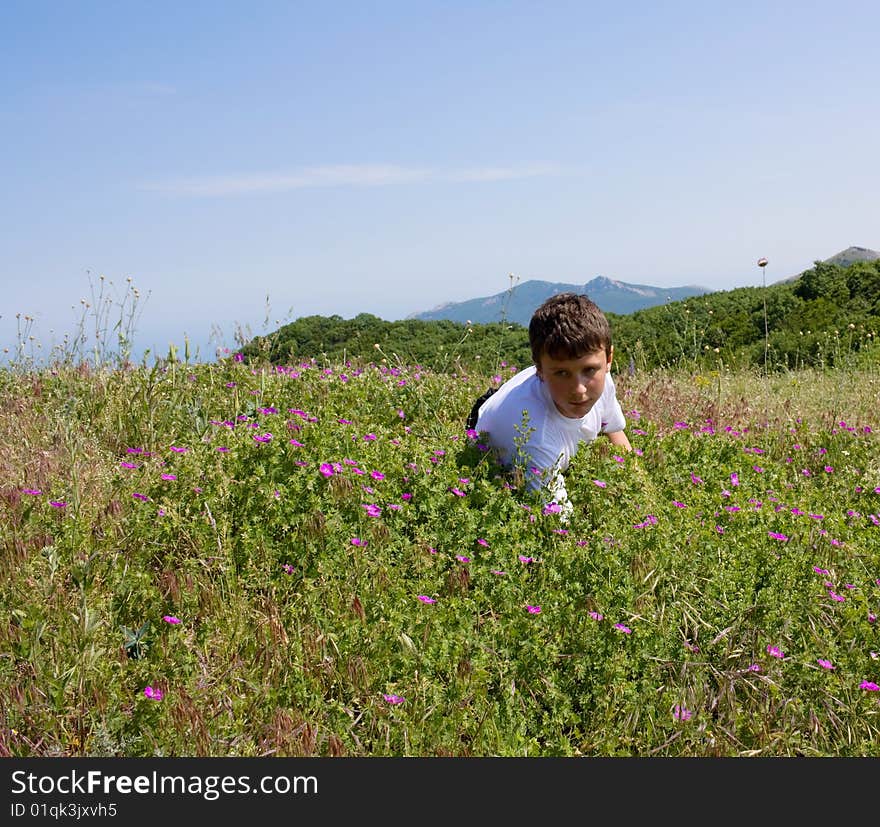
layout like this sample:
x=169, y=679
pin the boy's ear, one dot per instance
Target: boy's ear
x=610, y=355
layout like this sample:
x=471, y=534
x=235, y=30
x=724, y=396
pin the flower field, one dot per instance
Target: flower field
x=246, y=560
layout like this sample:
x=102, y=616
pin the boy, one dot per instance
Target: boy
x=567, y=396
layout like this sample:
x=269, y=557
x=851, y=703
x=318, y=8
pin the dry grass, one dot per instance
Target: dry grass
x=744, y=400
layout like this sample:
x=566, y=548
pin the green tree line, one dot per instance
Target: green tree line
x=439, y=345
x=828, y=315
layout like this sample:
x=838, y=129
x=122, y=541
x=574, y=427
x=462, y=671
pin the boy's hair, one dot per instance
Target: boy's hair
x=568, y=326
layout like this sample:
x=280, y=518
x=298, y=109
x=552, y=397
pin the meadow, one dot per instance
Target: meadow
x=315, y=559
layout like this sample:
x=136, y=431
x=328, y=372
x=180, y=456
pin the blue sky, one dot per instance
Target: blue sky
x=249, y=163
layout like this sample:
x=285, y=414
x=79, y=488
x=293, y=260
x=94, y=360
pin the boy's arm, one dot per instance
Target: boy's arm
x=620, y=439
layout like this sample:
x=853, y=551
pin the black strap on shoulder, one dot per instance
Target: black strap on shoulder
x=475, y=410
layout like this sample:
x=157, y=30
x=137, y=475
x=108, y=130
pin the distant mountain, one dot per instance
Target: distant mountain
x=517, y=306
x=851, y=255
x=844, y=258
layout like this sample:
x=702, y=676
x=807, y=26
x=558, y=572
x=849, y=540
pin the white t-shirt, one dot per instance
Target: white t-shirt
x=552, y=439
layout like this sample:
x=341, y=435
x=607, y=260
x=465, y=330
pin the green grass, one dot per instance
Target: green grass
x=291, y=635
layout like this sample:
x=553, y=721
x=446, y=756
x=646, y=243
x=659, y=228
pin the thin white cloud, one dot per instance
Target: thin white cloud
x=505, y=173
x=344, y=175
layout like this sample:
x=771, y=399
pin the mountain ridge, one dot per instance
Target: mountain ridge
x=518, y=302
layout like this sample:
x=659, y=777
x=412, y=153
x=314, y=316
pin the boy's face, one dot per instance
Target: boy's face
x=575, y=385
